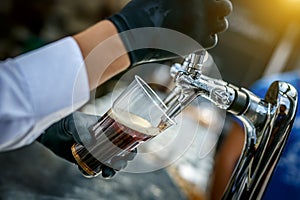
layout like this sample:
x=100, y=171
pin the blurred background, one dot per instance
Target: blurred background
x=263, y=38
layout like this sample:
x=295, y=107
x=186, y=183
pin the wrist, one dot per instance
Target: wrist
x=96, y=55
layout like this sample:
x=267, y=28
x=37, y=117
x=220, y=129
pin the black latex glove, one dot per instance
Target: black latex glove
x=60, y=137
x=199, y=19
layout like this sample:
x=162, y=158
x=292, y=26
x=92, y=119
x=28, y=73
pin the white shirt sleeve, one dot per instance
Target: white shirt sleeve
x=39, y=88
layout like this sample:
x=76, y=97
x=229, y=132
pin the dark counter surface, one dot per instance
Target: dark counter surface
x=35, y=173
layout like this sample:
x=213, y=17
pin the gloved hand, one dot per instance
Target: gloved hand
x=60, y=137
x=199, y=19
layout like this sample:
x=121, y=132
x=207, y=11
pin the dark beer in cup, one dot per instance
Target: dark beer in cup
x=115, y=134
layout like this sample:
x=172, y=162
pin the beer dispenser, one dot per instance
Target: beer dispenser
x=263, y=142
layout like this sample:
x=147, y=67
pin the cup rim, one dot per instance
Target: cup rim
x=142, y=83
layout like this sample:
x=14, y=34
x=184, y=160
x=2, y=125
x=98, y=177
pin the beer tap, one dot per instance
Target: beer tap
x=265, y=137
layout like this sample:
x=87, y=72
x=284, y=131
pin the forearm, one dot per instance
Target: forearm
x=38, y=88
x=103, y=51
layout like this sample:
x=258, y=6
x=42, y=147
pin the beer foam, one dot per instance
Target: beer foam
x=134, y=122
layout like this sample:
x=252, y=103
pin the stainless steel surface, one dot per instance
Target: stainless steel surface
x=264, y=144
x=265, y=134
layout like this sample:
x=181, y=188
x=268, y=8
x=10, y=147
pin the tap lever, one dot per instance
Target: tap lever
x=195, y=62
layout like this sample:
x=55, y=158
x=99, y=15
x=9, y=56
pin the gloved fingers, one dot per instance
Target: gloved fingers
x=216, y=17
x=209, y=41
x=221, y=8
x=79, y=127
x=219, y=26
x=107, y=172
x=117, y=163
x=120, y=162
x=58, y=140
x=130, y=156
